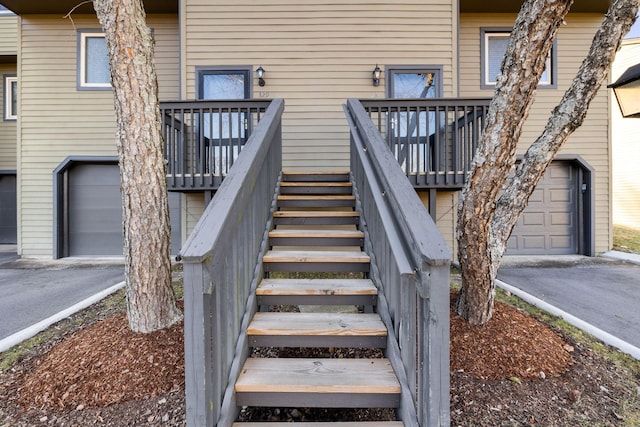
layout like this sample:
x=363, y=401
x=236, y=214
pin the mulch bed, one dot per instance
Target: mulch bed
x=515, y=371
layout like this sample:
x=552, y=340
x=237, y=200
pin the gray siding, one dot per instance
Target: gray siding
x=592, y=140
x=316, y=55
x=8, y=35
x=58, y=121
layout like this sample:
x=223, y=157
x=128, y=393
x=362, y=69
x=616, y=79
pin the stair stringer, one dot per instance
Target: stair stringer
x=407, y=412
x=229, y=410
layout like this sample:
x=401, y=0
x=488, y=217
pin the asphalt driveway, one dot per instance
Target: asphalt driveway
x=33, y=290
x=602, y=292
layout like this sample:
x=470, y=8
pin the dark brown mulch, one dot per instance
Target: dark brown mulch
x=511, y=345
x=104, y=364
x=513, y=372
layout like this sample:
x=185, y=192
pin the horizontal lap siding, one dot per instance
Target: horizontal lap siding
x=446, y=216
x=626, y=148
x=591, y=141
x=7, y=130
x=57, y=120
x=316, y=55
x=8, y=35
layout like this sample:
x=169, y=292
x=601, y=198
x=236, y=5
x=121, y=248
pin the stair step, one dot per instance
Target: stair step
x=315, y=176
x=316, y=238
x=315, y=218
x=317, y=292
x=318, y=383
x=317, y=201
x=316, y=188
x=356, y=330
x=324, y=424
x=316, y=261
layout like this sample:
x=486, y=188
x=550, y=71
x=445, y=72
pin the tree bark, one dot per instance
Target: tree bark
x=490, y=206
x=150, y=300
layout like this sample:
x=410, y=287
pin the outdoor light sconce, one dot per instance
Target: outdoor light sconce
x=260, y=74
x=376, y=75
x=627, y=91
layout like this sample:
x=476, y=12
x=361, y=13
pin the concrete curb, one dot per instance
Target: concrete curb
x=622, y=256
x=32, y=330
x=578, y=323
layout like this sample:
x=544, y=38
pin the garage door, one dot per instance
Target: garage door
x=95, y=211
x=548, y=226
x=8, y=216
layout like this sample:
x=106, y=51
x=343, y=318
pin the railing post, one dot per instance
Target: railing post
x=434, y=324
x=199, y=376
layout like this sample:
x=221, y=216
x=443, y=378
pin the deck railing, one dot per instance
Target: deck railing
x=432, y=139
x=410, y=266
x=222, y=265
x=202, y=139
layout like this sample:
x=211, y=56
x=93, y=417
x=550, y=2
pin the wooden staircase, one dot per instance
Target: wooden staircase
x=316, y=230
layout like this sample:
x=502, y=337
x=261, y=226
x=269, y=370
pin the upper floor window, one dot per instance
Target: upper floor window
x=494, y=44
x=10, y=97
x=93, y=61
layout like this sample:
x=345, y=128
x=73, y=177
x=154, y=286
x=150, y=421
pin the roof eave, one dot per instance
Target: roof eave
x=46, y=7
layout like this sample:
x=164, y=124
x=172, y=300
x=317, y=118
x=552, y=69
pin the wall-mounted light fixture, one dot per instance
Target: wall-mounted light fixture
x=376, y=75
x=260, y=74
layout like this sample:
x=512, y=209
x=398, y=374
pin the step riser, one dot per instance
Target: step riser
x=302, y=177
x=316, y=203
x=316, y=267
x=316, y=241
x=318, y=400
x=316, y=190
x=317, y=341
x=366, y=300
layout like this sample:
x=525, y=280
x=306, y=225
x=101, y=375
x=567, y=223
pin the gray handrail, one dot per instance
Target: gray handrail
x=222, y=265
x=411, y=268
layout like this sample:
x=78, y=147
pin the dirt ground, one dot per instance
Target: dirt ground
x=516, y=371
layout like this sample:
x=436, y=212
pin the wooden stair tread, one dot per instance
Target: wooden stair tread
x=315, y=214
x=335, y=376
x=316, y=287
x=315, y=176
x=316, y=197
x=316, y=256
x=318, y=324
x=317, y=233
x=314, y=184
x=323, y=424
x=323, y=172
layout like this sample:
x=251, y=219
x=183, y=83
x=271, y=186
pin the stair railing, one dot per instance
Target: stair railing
x=410, y=266
x=222, y=264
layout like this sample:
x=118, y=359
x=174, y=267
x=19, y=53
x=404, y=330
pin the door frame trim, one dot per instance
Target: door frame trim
x=223, y=69
x=392, y=69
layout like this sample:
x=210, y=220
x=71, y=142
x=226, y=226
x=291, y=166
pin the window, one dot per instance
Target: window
x=224, y=84
x=93, y=61
x=10, y=97
x=494, y=44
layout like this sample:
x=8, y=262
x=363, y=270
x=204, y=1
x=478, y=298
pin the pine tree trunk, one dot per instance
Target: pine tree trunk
x=490, y=206
x=150, y=300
